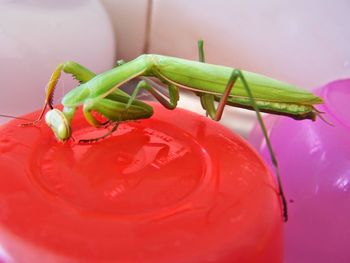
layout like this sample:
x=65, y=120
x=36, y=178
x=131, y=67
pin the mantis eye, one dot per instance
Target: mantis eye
x=59, y=124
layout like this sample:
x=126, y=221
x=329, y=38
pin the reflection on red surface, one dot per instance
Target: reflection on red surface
x=173, y=188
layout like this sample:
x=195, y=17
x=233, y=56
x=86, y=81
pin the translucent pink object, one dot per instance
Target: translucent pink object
x=314, y=159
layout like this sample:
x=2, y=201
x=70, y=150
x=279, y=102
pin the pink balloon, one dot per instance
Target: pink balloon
x=314, y=159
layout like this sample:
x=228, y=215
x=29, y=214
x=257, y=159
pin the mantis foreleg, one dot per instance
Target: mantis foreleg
x=113, y=107
x=79, y=72
x=49, y=94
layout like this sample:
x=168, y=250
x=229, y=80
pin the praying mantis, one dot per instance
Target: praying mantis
x=228, y=86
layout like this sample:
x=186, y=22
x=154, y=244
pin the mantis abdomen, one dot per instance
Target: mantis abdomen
x=271, y=95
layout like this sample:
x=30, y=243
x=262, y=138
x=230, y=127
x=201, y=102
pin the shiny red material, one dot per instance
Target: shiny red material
x=177, y=187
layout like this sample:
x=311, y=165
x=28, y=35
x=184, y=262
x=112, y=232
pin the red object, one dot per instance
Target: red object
x=177, y=187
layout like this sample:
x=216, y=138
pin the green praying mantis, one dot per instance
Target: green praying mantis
x=212, y=83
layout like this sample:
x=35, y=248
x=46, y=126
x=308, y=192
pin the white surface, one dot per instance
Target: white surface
x=36, y=35
x=128, y=19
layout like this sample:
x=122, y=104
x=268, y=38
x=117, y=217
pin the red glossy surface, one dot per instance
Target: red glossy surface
x=177, y=187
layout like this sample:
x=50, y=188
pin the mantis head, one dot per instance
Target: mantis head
x=59, y=124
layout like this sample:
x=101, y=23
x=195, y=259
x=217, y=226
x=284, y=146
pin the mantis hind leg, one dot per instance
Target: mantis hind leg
x=234, y=76
x=79, y=72
x=216, y=114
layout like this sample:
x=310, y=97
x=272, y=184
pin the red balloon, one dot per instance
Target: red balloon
x=177, y=187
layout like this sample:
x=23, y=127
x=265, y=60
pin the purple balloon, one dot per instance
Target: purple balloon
x=314, y=160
